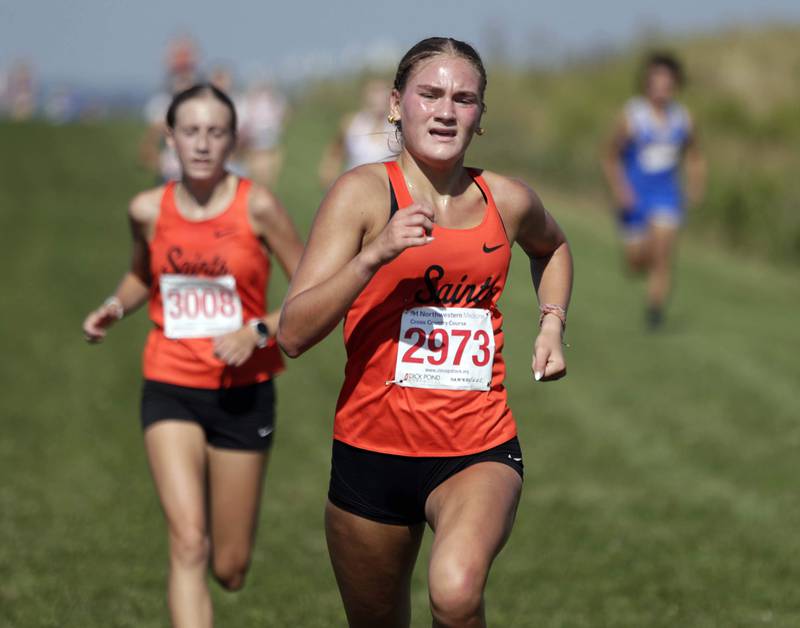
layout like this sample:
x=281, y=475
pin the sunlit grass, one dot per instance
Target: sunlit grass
x=660, y=475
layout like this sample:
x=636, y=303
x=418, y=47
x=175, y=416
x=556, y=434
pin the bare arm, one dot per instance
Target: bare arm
x=550, y=260
x=551, y=270
x=534, y=229
x=696, y=169
x=134, y=288
x=348, y=244
x=271, y=223
x=612, y=165
x=331, y=164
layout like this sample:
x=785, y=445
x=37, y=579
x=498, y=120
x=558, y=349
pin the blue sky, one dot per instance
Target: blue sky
x=122, y=42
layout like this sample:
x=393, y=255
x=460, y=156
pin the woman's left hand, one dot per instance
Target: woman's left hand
x=236, y=347
x=548, y=353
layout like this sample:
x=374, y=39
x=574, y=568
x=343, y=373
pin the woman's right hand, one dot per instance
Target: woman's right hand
x=410, y=226
x=97, y=322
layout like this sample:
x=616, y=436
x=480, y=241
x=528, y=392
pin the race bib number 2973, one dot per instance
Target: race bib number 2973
x=447, y=348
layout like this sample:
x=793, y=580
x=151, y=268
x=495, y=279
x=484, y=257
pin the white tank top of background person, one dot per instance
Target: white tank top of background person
x=155, y=112
x=262, y=112
x=365, y=142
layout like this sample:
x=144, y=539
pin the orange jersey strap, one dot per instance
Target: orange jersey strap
x=401, y=197
x=398, y=184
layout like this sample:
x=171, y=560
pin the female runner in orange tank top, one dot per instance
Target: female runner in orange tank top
x=413, y=255
x=201, y=251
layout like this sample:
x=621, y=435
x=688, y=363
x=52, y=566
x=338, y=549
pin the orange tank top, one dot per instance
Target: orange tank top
x=208, y=278
x=424, y=340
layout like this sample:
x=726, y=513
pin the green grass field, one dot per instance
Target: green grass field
x=661, y=485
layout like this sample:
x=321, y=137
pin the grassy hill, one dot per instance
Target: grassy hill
x=743, y=89
x=661, y=474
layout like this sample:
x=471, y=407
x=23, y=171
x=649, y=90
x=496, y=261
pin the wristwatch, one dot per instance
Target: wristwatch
x=262, y=331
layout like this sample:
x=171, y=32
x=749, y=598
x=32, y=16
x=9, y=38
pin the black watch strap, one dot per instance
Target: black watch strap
x=262, y=330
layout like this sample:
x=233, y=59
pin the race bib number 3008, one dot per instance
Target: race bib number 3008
x=449, y=348
x=200, y=307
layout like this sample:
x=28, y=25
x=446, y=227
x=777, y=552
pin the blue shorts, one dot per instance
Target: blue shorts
x=635, y=222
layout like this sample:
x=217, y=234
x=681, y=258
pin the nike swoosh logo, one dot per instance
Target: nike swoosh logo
x=221, y=233
x=510, y=457
x=489, y=249
x=263, y=432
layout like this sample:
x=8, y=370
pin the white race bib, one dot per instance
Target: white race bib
x=200, y=307
x=445, y=347
x=658, y=157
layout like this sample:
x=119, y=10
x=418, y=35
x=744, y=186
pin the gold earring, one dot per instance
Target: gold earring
x=391, y=118
x=480, y=131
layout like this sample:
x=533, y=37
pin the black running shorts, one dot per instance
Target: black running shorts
x=393, y=489
x=241, y=417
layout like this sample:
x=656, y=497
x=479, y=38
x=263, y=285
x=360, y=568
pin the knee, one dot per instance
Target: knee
x=637, y=262
x=638, y=266
x=456, y=593
x=230, y=569
x=189, y=547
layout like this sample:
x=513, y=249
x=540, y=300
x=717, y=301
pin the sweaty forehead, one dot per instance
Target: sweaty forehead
x=447, y=70
x=203, y=110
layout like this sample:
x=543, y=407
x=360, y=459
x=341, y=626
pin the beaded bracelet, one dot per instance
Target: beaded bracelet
x=557, y=310
x=117, y=305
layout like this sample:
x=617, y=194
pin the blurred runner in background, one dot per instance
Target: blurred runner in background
x=364, y=137
x=222, y=76
x=18, y=94
x=155, y=152
x=264, y=111
x=201, y=259
x=653, y=136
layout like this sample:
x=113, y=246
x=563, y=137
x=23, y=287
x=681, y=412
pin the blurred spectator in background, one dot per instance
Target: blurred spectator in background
x=62, y=105
x=653, y=135
x=263, y=117
x=222, y=76
x=155, y=154
x=364, y=136
x=17, y=92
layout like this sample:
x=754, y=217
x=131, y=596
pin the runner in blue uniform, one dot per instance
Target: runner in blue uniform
x=653, y=137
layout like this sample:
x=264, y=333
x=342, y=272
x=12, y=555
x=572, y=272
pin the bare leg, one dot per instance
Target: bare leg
x=637, y=254
x=472, y=514
x=235, y=479
x=176, y=451
x=662, y=244
x=373, y=563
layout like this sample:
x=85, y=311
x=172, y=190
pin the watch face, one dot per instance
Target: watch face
x=263, y=332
